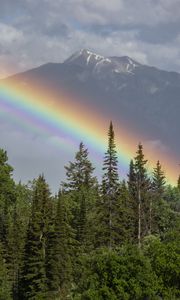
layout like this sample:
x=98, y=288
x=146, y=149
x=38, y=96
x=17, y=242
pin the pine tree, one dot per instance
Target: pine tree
x=132, y=180
x=60, y=252
x=79, y=173
x=7, y=199
x=33, y=276
x=142, y=186
x=158, y=180
x=15, y=250
x=7, y=196
x=110, y=166
x=157, y=204
x=81, y=187
x=16, y=235
x=5, y=287
x=108, y=214
x=126, y=219
x=132, y=188
x=178, y=183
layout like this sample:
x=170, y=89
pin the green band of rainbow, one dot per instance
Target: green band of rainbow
x=41, y=110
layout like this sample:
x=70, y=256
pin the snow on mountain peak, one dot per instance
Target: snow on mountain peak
x=86, y=58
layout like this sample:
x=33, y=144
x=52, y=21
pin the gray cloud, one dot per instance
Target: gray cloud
x=35, y=32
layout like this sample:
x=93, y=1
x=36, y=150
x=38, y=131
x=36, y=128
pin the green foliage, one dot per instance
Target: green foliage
x=141, y=168
x=164, y=218
x=158, y=180
x=172, y=196
x=7, y=196
x=142, y=186
x=126, y=221
x=33, y=277
x=178, y=183
x=79, y=173
x=60, y=252
x=132, y=185
x=18, y=222
x=122, y=274
x=110, y=166
x=6, y=183
x=82, y=244
x=80, y=189
x=5, y=287
x=108, y=205
x=165, y=261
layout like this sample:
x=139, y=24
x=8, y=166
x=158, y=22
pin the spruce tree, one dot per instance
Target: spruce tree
x=60, y=252
x=142, y=186
x=110, y=166
x=16, y=235
x=5, y=286
x=158, y=207
x=108, y=214
x=126, y=219
x=178, y=183
x=33, y=276
x=81, y=187
x=80, y=172
x=7, y=196
x=82, y=222
x=132, y=180
x=158, y=180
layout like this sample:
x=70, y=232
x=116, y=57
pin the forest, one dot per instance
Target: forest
x=114, y=239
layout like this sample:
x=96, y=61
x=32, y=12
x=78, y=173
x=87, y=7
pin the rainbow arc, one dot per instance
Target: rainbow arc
x=43, y=111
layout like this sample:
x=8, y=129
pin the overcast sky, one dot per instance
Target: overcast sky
x=33, y=32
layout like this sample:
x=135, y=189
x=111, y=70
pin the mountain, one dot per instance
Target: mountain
x=142, y=98
x=98, y=63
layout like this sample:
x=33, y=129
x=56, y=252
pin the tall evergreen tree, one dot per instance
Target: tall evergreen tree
x=132, y=180
x=159, y=210
x=158, y=180
x=7, y=196
x=5, y=287
x=60, y=251
x=80, y=172
x=81, y=187
x=16, y=235
x=126, y=219
x=142, y=186
x=110, y=179
x=133, y=195
x=108, y=214
x=33, y=276
x=178, y=183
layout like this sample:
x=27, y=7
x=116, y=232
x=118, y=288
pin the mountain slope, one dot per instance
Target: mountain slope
x=146, y=97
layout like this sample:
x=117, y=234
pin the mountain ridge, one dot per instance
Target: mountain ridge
x=83, y=53
x=145, y=97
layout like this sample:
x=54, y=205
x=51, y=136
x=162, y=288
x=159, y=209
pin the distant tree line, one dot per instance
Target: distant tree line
x=92, y=241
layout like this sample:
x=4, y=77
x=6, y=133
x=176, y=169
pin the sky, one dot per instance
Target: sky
x=34, y=32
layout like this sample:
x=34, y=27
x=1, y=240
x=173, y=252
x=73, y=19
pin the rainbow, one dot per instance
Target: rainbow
x=39, y=109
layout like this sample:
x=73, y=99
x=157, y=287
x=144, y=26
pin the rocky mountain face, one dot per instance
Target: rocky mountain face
x=145, y=98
